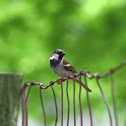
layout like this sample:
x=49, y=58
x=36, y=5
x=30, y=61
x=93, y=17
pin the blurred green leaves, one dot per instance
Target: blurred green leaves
x=91, y=32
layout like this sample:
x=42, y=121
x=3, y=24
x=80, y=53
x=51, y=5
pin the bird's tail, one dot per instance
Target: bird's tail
x=86, y=88
x=82, y=84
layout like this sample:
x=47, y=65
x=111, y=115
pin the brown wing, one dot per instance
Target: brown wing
x=68, y=66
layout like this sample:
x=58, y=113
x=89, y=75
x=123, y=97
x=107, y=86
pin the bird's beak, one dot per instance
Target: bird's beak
x=63, y=53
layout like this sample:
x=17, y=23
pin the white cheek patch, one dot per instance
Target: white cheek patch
x=54, y=56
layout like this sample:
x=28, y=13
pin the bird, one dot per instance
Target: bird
x=63, y=68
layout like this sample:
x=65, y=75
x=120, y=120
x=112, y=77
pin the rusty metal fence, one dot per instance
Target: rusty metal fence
x=85, y=75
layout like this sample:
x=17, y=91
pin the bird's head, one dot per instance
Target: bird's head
x=57, y=54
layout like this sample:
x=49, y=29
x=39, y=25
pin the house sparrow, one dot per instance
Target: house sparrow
x=62, y=68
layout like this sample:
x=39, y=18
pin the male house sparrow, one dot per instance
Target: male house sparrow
x=62, y=68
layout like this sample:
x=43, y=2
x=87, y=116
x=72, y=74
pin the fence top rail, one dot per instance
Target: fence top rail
x=85, y=73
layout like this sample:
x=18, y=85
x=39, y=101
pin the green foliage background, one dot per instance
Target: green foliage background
x=91, y=32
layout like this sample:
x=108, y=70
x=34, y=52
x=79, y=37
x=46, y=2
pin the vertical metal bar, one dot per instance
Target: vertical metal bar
x=114, y=101
x=81, y=117
x=28, y=91
x=74, y=102
x=89, y=106
x=24, y=109
x=22, y=98
x=106, y=102
x=68, y=104
x=55, y=105
x=42, y=107
x=61, y=104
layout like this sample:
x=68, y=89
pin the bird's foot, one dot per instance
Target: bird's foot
x=59, y=80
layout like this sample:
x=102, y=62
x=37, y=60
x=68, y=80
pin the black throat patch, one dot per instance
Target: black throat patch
x=55, y=62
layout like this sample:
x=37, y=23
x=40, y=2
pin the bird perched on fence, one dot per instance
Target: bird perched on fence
x=62, y=68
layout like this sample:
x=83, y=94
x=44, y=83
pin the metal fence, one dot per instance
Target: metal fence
x=85, y=75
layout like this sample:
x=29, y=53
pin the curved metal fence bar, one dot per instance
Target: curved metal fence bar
x=88, y=101
x=22, y=101
x=74, y=102
x=59, y=81
x=61, y=103
x=106, y=102
x=24, y=110
x=29, y=89
x=42, y=106
x=24, y=105
x=55, y=104
x=68, y=103
x=114, y=101
x=81, y=116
